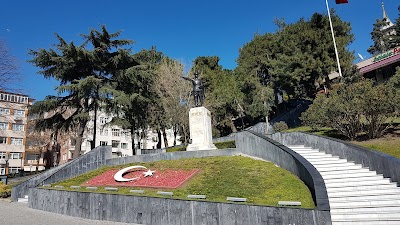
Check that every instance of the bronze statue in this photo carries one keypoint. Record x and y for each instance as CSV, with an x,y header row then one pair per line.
x,y
198,89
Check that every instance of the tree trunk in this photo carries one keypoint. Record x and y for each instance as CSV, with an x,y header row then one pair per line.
x,y
175,133
93,142
144,138
133,140
164,133
78,145
232,125
159,139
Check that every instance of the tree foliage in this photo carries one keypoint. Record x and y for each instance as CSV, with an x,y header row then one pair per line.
x,y
355,108
385,38
84,73
298,57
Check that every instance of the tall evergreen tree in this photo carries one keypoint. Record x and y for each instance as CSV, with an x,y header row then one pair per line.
x,y
84,73
379,37
134,95
299,56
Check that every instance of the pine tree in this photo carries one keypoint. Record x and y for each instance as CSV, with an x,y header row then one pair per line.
x,y
85,73
379,37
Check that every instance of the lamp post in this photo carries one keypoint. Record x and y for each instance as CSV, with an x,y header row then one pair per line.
x,y
333,37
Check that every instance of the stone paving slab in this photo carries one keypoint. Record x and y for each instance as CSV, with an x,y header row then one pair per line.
x,y
19,213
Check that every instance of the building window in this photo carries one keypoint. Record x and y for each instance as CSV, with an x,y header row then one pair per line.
x,y
18,127
124,145
4,111
2,155
115,144
3,140
15,155
2,171
103,143
32,156
116,132
3,126
18,112
14,169
104,131
103,120
64,157
13,98
17,141
126,133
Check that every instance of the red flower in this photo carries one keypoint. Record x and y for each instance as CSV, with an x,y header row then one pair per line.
x,y
160,179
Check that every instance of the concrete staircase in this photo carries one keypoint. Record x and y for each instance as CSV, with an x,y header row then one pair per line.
x,y
356,194
24,199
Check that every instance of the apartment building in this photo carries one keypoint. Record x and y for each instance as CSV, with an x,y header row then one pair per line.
x,y
13,124
119,139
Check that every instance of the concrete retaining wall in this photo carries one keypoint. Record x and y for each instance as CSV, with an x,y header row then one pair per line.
x,y
258,145
162,211
85,163
384,164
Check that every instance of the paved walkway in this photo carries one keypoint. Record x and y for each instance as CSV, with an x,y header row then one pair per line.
x,y
19,214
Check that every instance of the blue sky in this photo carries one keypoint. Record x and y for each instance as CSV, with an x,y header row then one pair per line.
x,y
180,29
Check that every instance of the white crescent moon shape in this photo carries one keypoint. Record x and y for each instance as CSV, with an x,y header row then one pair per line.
x,y
118,176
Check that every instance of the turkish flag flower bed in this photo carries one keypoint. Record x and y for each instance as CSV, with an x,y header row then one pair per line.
x,y
160,179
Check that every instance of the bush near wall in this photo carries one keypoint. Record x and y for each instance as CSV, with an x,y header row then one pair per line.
x,y
219,145
226,144
5,190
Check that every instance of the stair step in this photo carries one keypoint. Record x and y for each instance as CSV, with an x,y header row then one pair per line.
x,y
366,217
307,151
367,198
339,168
357,183
324,156
350,171
324,162
371,192
335,164
362,188
355,178
364,204
380,210
23,200
366,223
296,146
338,176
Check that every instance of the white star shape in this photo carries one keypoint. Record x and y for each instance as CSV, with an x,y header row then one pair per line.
x,y
148,173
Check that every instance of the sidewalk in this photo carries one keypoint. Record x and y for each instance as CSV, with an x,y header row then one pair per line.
x,y
19,214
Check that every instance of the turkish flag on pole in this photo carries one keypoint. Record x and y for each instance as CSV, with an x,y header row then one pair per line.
x,y
341,1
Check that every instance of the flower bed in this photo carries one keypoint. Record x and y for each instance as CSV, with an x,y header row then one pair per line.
x,y
160,179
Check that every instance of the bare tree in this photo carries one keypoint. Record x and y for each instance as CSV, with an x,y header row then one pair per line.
x,y
174,93
9,74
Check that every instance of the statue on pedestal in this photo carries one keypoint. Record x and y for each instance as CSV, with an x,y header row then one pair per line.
x,y
198,89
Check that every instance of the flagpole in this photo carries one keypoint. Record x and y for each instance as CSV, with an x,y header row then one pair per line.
x,y
333,37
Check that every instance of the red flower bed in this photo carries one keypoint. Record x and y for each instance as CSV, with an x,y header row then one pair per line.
x,y
160,179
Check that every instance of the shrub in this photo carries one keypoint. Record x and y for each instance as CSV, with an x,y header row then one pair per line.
x,y
5,190
280,126
354,108
176,149
226,144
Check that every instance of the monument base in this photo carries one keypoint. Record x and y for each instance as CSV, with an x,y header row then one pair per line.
x,y
200,130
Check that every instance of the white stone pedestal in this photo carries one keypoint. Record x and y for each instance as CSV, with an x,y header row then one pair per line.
x,y
200,129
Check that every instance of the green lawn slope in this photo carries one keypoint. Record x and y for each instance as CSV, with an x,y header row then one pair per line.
x,y
262,183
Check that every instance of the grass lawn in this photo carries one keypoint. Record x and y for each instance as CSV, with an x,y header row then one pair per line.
x,y
388,145
262,183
